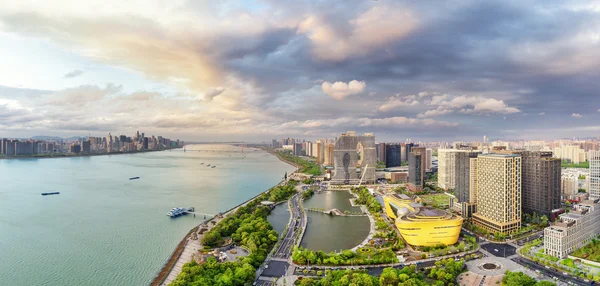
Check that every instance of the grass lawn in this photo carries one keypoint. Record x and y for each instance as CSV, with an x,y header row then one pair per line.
x,y
590,251
436,199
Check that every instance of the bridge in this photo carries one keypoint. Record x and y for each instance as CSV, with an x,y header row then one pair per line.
x,y
333,212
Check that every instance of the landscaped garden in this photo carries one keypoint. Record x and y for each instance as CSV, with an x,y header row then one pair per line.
x,y
590,251
247,227
365,198
304,256
306,167
435,200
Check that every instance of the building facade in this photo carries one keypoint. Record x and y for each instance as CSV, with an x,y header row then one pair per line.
x,y
446,168
573,230
594,177
498,193
381,154
328,158
392,155
541,185
419,225
415,172
345,158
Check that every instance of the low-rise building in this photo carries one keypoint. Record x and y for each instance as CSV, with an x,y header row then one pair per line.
x,y
420,225
573,230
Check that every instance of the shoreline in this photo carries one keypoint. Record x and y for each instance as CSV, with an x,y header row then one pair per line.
x,y
82,155
282,159
164,272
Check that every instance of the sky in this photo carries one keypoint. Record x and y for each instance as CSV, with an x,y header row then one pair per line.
x,y
256,70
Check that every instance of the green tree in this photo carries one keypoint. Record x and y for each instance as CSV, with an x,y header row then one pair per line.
x,y
517,279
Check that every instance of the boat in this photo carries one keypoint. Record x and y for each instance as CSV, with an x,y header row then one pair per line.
x,y
176,212
208,165
52,193
201,163
213,166
134,178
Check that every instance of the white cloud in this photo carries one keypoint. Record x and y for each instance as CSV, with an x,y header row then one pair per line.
x,y
435,112
598,110
403,121
397,101
576,115
473,104
339,90
542,113
372,93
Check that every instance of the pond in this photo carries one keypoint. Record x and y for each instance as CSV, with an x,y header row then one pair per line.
x,y
329,233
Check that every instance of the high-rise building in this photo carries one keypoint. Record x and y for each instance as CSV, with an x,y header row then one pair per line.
x,y
145,143
569,186
381,155
540,182
320,152
428,159
403,154
75,148
328,158
594,177
462,172
408,147
392,155
415,172
297,149
345,158
446,168
570,153
498,193
86,147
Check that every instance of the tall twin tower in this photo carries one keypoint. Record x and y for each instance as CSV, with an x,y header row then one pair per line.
x,y
352,151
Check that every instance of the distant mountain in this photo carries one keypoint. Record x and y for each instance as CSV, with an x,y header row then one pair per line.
x,y
43,137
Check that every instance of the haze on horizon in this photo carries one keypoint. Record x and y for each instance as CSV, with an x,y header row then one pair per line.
x,y
255,70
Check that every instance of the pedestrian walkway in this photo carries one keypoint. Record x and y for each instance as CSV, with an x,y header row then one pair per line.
x,y
190,248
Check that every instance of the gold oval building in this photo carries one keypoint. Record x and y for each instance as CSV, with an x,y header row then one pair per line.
x,y
420,225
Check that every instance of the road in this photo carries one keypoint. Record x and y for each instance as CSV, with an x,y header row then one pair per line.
x,y
285,248
499,249
278,264
550,272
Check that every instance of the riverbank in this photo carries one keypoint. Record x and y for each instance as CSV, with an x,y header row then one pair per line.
x,y
169,272
64,155
282,159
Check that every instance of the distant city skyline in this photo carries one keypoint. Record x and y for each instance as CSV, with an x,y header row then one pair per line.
x,y
239,70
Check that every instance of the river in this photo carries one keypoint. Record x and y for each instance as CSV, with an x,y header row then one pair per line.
x,y
104,229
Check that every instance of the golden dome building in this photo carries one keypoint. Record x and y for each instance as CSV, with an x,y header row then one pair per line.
x,y
420,225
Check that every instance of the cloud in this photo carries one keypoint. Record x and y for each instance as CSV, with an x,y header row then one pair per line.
x,y
73,74
372,93
473,104
435,112
542,113
213,92
576,115
598,110
397,101
339,90
375,28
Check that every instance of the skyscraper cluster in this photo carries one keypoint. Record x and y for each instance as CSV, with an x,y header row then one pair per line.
x,y
93,145
497,187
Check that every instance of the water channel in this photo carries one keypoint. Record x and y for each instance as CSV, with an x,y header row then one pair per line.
x,y
325,232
